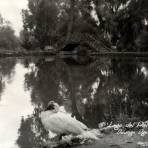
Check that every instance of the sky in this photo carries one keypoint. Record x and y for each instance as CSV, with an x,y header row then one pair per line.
x,y
11,11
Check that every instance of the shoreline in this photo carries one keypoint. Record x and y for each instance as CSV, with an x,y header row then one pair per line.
x,y
48,53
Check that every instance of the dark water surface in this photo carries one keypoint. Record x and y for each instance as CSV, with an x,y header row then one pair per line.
x,y
92,90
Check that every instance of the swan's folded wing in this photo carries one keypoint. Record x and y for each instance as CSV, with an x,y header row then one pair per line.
x,y
65,124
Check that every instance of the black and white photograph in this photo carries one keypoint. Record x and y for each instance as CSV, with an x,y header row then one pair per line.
x,y
73,73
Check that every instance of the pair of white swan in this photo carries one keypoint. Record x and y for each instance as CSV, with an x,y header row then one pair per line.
x,y
60,123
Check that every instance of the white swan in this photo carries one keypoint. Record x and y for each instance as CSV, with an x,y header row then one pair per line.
x,y
62,124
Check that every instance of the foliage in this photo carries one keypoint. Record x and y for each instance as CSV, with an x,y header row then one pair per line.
x,y
40,22
56,22
121,21
117,22
8,40
142,41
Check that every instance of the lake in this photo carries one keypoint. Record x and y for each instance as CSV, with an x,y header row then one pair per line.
x,y
93,90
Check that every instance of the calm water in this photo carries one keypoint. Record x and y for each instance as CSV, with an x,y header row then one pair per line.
x,y
92,90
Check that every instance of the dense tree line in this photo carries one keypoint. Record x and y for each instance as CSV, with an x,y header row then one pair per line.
x,y
99,23
8,40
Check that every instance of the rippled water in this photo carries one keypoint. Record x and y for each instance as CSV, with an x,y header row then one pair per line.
x,y
92,90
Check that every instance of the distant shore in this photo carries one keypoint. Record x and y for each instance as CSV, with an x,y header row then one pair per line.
x,y
9,53
49,53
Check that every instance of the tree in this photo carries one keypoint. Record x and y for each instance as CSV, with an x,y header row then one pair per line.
x,y
8,40
121,21
58,22
142,41
71,20
118,23
41,20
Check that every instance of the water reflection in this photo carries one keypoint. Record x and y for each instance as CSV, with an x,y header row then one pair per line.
x,y
103,89
14,104
6,72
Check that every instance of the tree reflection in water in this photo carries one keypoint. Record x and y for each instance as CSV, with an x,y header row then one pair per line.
x,y
31,132
6,71
107,89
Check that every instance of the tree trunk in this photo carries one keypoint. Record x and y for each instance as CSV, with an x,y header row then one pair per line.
x,y
101,26
71,20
